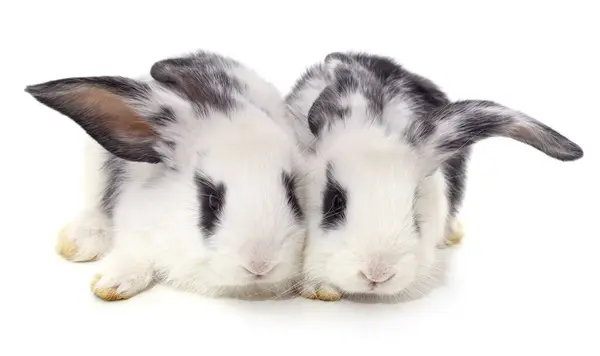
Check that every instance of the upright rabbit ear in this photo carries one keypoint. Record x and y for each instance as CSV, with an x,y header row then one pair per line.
x,y
105,107
460,124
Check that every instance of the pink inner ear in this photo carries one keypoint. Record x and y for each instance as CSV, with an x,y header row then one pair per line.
x,y
112,113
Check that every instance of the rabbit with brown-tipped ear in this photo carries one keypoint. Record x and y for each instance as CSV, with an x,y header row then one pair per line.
x,y
191,179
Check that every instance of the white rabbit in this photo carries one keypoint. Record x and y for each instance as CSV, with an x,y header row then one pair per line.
x,y
191,179
387,169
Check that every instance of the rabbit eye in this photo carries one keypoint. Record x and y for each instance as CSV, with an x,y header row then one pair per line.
x,y
214,203
338,203
334,204
211,198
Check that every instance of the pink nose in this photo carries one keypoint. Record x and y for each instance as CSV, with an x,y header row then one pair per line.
x,y
259,268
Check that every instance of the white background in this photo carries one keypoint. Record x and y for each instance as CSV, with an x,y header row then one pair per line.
x,y
525,280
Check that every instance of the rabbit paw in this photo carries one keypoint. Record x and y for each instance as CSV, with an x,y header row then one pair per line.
x,y
86,238
322,292
121,286
456,234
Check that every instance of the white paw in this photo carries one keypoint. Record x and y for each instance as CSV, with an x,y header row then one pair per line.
x,y
85,238
120,286
322,292
455,235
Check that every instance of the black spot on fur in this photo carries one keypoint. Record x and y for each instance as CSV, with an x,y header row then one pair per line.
x,y
335,201
211,198
292,198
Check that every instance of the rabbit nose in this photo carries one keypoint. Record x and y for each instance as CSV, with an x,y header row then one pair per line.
x,y
259,268
377,275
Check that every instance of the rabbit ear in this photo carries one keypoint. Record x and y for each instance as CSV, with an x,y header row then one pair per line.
x,y
461,124
104,108
202,77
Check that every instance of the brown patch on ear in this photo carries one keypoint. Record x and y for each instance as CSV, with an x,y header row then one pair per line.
x,y
105,108
109,112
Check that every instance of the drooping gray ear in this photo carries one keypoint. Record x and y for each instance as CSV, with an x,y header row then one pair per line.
x,y
105,108
449,129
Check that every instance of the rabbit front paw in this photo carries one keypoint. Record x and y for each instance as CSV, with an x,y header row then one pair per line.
x,y
122,283
85,238
321,292
456,234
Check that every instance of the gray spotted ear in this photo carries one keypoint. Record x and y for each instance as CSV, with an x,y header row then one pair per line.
x,y
458,125
186,75
105,107
203,77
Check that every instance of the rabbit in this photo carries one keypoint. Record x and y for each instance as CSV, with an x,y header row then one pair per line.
x,y
191,179
388,155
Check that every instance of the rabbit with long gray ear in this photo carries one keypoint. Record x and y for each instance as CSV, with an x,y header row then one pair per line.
x,y
387,167
191,179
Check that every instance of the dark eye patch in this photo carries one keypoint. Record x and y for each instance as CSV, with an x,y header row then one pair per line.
x,y
292,199
334,203
211,198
